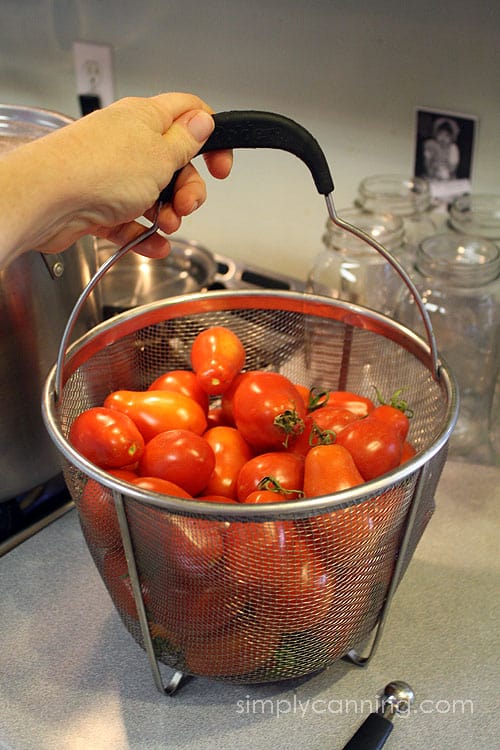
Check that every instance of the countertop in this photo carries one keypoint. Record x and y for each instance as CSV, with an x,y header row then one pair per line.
x,y
72,678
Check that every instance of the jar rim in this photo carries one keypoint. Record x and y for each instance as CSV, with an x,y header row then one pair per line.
x,y
464,258
394,193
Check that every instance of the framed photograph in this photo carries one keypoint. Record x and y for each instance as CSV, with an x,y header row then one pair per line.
x,y
444,151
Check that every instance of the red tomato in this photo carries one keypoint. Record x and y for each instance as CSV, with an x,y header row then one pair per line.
x,y
107,438
329,469
356,533
359,405
171,548
157,411
239,650
163,486
268,410
116,577
96,510
182,381
216,499
281,573
181,457
304,595
254,551
408,451
217,356
193,611
304,392
394,417
286,469
217,418
321,428
266,496
226,402
374,445
231,452
126,474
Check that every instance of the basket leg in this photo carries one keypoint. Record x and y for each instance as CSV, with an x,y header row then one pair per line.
x,y
353,656
178,677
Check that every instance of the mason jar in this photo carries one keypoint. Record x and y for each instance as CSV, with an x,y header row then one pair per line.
x,y
351,270
476,214
458,277
407,197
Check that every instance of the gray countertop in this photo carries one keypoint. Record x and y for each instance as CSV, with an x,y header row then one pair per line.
x,y
72,678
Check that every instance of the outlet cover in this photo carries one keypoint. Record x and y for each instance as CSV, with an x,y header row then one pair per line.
x,y
94,71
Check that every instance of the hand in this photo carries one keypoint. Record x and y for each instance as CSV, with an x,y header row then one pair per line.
x,y
103,171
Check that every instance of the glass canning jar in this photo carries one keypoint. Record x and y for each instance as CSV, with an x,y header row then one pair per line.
x,y
458,277
408,198
476,214
351,270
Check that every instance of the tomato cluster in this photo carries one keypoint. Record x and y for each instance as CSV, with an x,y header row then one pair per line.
x,y
220,433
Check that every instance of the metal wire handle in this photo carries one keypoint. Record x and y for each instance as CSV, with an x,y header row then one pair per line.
x,y
68,330
403,275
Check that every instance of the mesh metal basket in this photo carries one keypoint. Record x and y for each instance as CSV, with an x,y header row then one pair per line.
x,y
209,602
256,593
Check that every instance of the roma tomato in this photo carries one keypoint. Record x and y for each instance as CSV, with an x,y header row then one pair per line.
x,y
157,411
321,428
194,611
180,456
268,410
96,510
408,451
182,381
361,406
374,445
174,548
231,452
328,469
217,356
108,439
286,470
265,496
239,650
226,401
394,417
163,486
255,551
287,581
116,577
303,592
350,536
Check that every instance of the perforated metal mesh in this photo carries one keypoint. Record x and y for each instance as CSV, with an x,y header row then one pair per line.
x,y
265,599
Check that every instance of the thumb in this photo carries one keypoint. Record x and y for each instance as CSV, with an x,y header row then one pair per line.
x,y
186,135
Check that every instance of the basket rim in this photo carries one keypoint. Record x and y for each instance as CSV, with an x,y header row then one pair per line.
x,y
130,321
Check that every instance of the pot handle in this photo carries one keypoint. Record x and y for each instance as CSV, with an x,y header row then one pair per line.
x,y
256,129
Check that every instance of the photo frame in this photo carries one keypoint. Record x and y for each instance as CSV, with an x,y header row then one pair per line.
x,y
444,150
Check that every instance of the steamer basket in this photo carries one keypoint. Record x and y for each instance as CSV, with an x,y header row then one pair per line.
x,y
210,618
187,577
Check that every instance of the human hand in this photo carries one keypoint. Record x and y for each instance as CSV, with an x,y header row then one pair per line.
x,y
103,171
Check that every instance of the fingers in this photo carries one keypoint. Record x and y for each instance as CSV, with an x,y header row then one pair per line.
x,y
219,163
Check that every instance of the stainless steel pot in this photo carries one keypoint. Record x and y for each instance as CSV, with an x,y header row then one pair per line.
x,y
37,294
137,280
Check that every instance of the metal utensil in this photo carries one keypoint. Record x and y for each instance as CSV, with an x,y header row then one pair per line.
x,y
374,731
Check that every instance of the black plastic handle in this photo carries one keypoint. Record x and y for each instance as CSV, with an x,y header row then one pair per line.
x,y
372,734
254,129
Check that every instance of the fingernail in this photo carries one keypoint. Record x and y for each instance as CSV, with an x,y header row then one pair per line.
x,y
193,208
200,126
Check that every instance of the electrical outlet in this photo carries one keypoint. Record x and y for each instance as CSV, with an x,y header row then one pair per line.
x,y
94,71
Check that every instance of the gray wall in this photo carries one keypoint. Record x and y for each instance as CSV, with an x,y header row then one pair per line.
x,y
351,71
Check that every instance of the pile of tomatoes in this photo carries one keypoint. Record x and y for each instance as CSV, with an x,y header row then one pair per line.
x,y
224,595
